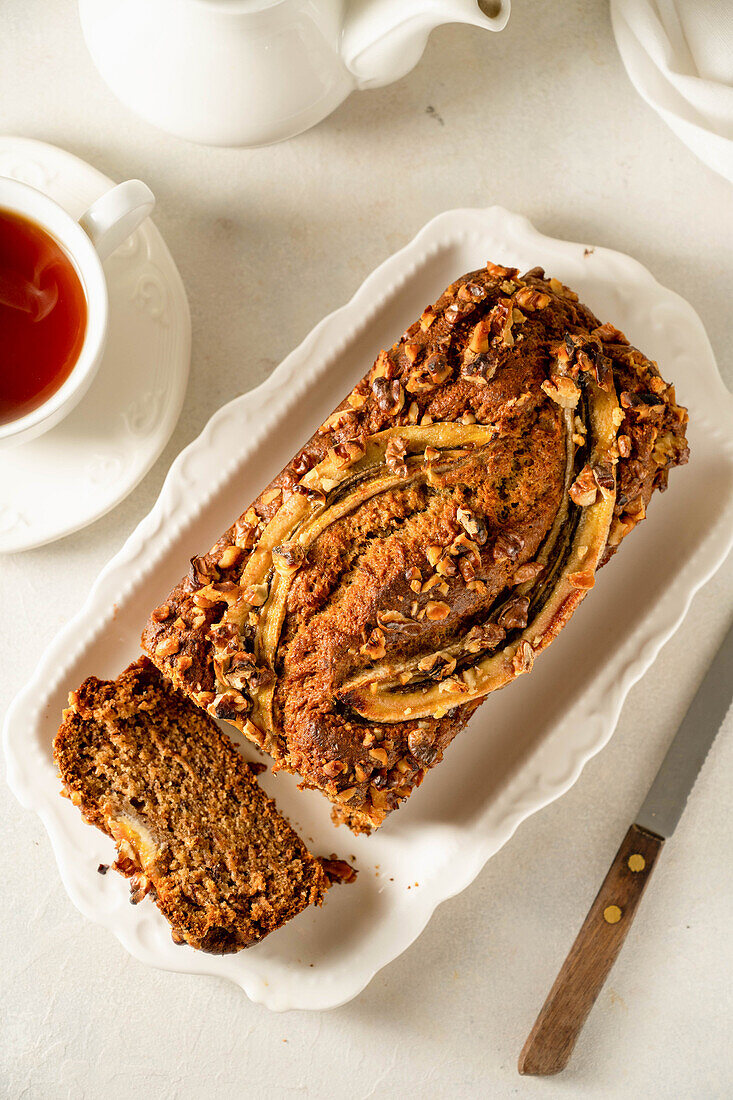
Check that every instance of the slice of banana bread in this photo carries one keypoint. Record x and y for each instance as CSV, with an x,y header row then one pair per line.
x,y
192,826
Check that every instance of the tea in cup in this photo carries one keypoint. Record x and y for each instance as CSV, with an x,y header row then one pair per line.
x,y
54,309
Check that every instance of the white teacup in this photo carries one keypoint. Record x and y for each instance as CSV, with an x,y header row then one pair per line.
x,y
87,243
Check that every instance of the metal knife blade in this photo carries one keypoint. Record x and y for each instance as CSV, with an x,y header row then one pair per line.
x,y
668,794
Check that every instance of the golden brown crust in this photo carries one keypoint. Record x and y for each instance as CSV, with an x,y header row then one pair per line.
x,y
437,485
192,826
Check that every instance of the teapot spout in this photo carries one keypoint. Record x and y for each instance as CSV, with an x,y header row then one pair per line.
x,y
383,40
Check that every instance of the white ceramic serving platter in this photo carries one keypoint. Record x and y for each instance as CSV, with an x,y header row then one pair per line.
x,y
93,459
525,746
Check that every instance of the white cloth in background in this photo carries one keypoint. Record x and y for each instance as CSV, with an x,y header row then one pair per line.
x,y
679,56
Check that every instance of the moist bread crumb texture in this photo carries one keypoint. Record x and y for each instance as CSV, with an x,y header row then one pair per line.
x,y
192,826
427,542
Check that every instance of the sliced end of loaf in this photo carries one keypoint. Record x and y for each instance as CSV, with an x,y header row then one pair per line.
x,y
192,826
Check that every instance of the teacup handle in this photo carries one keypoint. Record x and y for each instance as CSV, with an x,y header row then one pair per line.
x,y
116,215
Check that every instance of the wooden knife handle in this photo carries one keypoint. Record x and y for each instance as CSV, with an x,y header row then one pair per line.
x,y
551,1040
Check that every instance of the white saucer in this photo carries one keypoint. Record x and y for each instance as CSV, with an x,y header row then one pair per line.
x,y
81,469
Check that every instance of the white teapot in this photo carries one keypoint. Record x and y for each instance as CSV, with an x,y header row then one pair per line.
x,y
250,72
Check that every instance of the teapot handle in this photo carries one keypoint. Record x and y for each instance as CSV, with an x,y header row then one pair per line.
x,y
383,40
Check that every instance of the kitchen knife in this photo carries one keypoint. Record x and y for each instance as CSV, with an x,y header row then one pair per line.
x,y
556,1029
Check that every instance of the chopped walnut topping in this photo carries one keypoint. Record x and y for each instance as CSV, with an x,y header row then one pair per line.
x,y
394,456
446,567
205,599
437,665
338,870
528,572
348,452
140,885
390,395
514,613
244,672
356,399
479,338
382,362
288,557
229,705
231,556
485,636
245,534
472,292
422,745
479,369
427,318
462,544
201,571
641,403
300,466
467,567
531,300
507,547
161,613
431,582
333,768
624,446
500,321
436,611
395,620
256,594
473,525
434,552
374,646
584,490
562,390
604,478
254,733
500,272
433,372
635,509
609,334
316,496
380,755
338,419
453,313
591,359
523,659
168,647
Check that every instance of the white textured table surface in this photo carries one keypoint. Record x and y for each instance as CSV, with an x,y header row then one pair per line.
x,y
543,119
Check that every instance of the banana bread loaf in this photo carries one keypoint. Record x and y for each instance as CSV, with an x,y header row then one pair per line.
x,y
427,542
192,825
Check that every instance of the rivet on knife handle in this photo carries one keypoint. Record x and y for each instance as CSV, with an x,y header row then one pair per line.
x,y
551,1040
